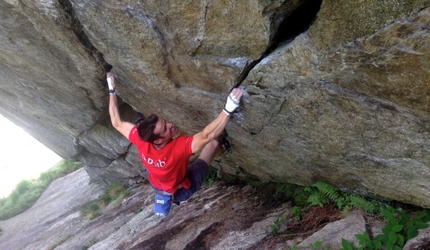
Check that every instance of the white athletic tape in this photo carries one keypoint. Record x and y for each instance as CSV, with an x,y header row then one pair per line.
x,y
109,81
231,103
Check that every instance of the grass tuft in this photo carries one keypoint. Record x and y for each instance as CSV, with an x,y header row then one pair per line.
x,y
61,241
91,210
115,192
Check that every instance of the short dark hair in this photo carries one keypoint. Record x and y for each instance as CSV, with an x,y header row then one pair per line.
x,y
146,128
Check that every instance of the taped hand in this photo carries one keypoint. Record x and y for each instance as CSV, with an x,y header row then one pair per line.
x,y
111,82
233,101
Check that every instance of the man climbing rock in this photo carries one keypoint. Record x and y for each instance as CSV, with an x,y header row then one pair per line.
x,y
166,157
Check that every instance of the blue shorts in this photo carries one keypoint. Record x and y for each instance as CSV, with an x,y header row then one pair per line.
x,y
196,173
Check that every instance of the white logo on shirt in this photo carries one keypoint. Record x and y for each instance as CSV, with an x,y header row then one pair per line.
x,y
158,164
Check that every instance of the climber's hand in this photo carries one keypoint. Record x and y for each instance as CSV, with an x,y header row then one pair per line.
x,y
110,81
233,100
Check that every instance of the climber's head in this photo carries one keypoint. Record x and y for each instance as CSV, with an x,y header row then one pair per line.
x,y
156,130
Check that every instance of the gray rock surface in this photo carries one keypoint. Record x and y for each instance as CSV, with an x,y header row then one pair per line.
x,y
219,216
422,241
332,234
335,92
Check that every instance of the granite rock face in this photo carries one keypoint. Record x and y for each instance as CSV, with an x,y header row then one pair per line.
x,y
336,91
218,216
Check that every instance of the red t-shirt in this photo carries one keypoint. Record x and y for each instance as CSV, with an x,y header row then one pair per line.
x,y
168,166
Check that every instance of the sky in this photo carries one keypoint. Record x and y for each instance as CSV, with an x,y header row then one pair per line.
x,y
22,157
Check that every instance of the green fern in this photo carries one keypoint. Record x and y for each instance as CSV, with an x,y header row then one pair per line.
x,y
342,202
345,211
317,198
327,190
326,193
358,201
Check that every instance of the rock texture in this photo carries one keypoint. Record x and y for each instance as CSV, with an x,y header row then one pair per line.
x,y
219,216
331,235
422,241
335,91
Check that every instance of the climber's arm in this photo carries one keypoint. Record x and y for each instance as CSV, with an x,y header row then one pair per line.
x,y
216,127
122,126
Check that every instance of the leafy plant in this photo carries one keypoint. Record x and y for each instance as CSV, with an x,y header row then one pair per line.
x,y
347,245
345,211
318,245
277,224
295,211
327,190
274,228
291,192
284,191
418,222
399,228
316,198
212,176
395,234
358,201
322,193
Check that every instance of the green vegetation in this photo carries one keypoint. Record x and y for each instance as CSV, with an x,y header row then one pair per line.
x,y
113,193
400,227
138,211
211,177
61,241
91,210
322,193
27,192
295,211
278,223
402,220
318,246
92,242
290,192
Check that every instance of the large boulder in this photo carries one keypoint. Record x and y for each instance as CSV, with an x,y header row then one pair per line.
x,y
355,118
335,92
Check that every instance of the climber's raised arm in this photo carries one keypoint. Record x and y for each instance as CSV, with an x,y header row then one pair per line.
x,y
122,126
217,126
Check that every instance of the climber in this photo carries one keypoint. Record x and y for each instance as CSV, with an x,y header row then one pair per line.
x,y
166,157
